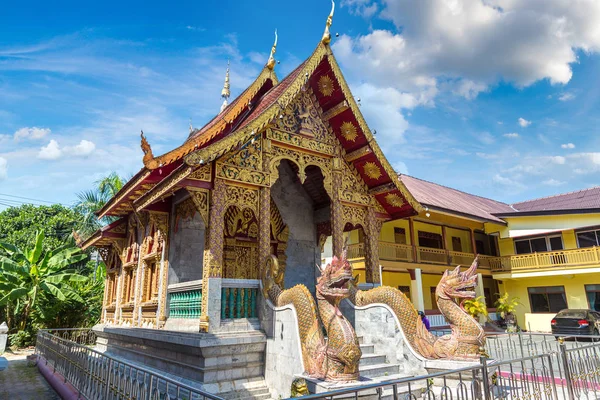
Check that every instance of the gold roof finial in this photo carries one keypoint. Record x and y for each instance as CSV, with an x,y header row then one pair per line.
x,y
326,35
225,93
271,62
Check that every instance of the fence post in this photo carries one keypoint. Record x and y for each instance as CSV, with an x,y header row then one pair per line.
x,y
566,369
484,372
519,335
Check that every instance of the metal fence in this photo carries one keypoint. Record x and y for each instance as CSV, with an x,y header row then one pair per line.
x,y
98,376
519,366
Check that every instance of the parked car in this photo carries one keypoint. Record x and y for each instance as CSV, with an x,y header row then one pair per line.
x,y
576,322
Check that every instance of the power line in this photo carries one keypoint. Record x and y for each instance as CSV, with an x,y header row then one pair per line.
x,y
29,198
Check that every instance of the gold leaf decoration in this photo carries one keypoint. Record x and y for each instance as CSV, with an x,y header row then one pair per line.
x,y
394,200
372,170
325,85
349,131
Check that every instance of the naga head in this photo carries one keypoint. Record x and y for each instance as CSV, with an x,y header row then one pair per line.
x,y
335,279
458,285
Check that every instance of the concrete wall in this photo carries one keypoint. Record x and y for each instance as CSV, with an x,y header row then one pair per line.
x,y
296,208
186,246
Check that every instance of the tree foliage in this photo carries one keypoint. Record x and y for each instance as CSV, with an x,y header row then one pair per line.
x,y
91,201
28,278
19,225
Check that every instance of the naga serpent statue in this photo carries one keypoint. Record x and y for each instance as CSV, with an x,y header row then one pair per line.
x,y
336,357
455,287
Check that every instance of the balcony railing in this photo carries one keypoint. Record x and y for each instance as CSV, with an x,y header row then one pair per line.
x,y
238,298
563,258
417,254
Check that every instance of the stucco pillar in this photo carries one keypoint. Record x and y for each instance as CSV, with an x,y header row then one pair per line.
x,y
372,231
480,292
337,225
416,289
213,261
264,227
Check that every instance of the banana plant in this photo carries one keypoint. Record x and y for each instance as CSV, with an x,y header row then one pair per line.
x,y
26,275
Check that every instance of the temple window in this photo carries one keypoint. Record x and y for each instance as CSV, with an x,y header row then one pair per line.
x,y
129,285
151,287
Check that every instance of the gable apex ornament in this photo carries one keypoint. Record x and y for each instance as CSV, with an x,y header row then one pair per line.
x,y
271,61
146,148
327,35
225,93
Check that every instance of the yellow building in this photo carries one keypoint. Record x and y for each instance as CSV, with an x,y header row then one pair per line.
x,y
543,251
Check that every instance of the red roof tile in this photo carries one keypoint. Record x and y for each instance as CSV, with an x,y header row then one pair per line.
x,y
437,196
581,199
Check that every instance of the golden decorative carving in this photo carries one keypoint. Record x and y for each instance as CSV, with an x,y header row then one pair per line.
x,y
356,154
202,174
336,110
302,160
303,115
300,141
184,210
349,131
243,175
248,157
354,215
372,170
386,187
394,200
200,200
241,260
163,188
325,85
242,197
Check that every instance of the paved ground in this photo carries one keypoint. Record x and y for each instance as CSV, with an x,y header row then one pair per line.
x,y
22,382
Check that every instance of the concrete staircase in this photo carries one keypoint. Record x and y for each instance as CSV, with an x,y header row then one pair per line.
x,y
257,391
376,367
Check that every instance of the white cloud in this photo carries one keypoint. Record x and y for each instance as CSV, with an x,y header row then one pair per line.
x,y
558,159
50,152
84,148
487,156
523,122
471,43
553,182
566,96
33,133
511,135
53,150
400,167
3,168
567,146
486,138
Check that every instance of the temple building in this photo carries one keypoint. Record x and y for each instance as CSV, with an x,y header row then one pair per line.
x,y
284,168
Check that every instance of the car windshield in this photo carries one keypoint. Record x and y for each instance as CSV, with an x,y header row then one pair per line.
x,y
580,314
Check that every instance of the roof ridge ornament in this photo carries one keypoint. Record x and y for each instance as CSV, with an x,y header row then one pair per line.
x,y
225,93
146,149
271,61
327,35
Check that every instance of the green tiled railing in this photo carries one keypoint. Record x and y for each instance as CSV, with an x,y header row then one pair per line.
x,y
238,303
185,304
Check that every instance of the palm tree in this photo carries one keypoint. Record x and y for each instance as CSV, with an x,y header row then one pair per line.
x,y
26,276
90,201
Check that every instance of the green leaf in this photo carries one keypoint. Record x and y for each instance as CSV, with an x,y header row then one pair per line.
x,y
13,295
8,265
37,250
55,291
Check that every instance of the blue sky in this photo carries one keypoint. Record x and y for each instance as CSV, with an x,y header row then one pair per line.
x,y
499,98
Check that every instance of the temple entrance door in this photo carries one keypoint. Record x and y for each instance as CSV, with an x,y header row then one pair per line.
x,y
302,206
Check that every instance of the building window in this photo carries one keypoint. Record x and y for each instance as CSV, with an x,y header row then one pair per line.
x,y
588,238
405,290
456,244
431,240
592,293
151,289
537,245
547,299
399,236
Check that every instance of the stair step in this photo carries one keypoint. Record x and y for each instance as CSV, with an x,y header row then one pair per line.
x,y
367,348
259,393
379,370
371,359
